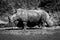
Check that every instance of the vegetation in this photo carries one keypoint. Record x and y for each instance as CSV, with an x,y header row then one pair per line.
x,y
7,6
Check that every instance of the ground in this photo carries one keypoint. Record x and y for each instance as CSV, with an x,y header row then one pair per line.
x,y
30,31
39,34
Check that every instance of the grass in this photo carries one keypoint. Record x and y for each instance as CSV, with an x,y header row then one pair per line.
x,y
30,31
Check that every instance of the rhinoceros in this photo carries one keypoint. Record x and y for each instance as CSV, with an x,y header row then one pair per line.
x,y
32,16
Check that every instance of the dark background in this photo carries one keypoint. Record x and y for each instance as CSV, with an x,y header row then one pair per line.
x,y
50,5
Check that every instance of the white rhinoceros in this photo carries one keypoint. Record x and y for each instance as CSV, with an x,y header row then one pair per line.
x,y
26,15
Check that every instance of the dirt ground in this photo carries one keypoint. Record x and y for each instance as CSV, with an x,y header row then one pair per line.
x,y
38,34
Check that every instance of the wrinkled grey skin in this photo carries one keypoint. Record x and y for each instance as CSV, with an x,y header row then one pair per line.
x,y
31,15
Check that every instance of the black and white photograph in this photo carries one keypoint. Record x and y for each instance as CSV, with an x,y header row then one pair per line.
x,y
29,19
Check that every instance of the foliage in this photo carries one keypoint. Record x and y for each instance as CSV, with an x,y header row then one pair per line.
x,y
50,5
8,5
